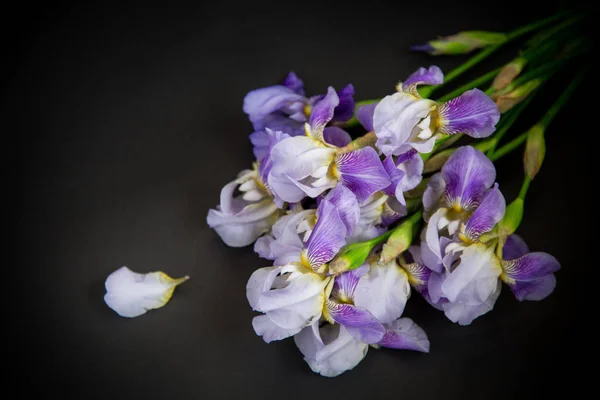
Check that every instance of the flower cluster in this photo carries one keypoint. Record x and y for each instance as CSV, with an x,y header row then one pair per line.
x,y
313,192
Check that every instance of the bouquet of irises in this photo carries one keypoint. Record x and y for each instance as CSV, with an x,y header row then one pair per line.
x,y
352,226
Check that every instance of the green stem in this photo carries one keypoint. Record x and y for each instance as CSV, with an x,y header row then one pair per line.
x,y
508,122
508,147
416,217
470,85
558,104
524,188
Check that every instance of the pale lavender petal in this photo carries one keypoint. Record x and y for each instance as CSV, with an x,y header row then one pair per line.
x,y
534,290
328,236
530,266
464,313
260,281
425,76
404,334
336,136
266,163
514,247
364,115
468,174
260,144
434,287
346,205
322,112
436,186
262,247
431,252
294,83
345,109
395,175
488,214
263,326
358,321
412,166
362,172
472,113
259,103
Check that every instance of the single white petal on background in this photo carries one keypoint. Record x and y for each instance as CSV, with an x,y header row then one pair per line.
x,y
131,294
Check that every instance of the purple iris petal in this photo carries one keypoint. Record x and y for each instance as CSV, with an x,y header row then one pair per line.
x,y
393,211
344,285
322,112
364,115
362,172
267,163
294,83
412,165
530,266
406,335
488,214
534,290
472,113
346,204
514,247
395,175
419,276
336,136
259,103
327,237
468,174
433,193
358,321
345,110
425,76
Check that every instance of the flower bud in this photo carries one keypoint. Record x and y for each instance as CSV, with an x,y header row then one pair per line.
x,y
508,100
535,150
508,73
461,43
350,257
512,218
398,242
437,161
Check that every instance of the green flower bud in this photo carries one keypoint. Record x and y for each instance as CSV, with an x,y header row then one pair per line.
x,y
461,43
512,218
508,73
351,257
398,242
511,98
535,150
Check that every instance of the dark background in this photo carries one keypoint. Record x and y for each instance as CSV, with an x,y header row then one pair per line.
x,y
129,122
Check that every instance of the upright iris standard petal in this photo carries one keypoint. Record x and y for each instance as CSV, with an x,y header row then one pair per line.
x,y
335,136
131,294
362,172
404,334
345,109
300,166
328,236
472,113
346,205
531,277
322,113
423,76
383,291
293,82
395,118
260,103
267,163
468,174
364,115
330,350
488,214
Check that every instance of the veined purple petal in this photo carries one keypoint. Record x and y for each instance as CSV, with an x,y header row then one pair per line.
x,y
488,214
364,115
336,136
530,266
534,290
346,204
424,76
322,112
360,323
404,334
267,163
514,247
362,172
294,83
393,211
395,175
260,103
328,236
418,273
345,109
472,113
468,174
344,285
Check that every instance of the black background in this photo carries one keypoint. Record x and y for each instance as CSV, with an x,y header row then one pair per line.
x,y
129,122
